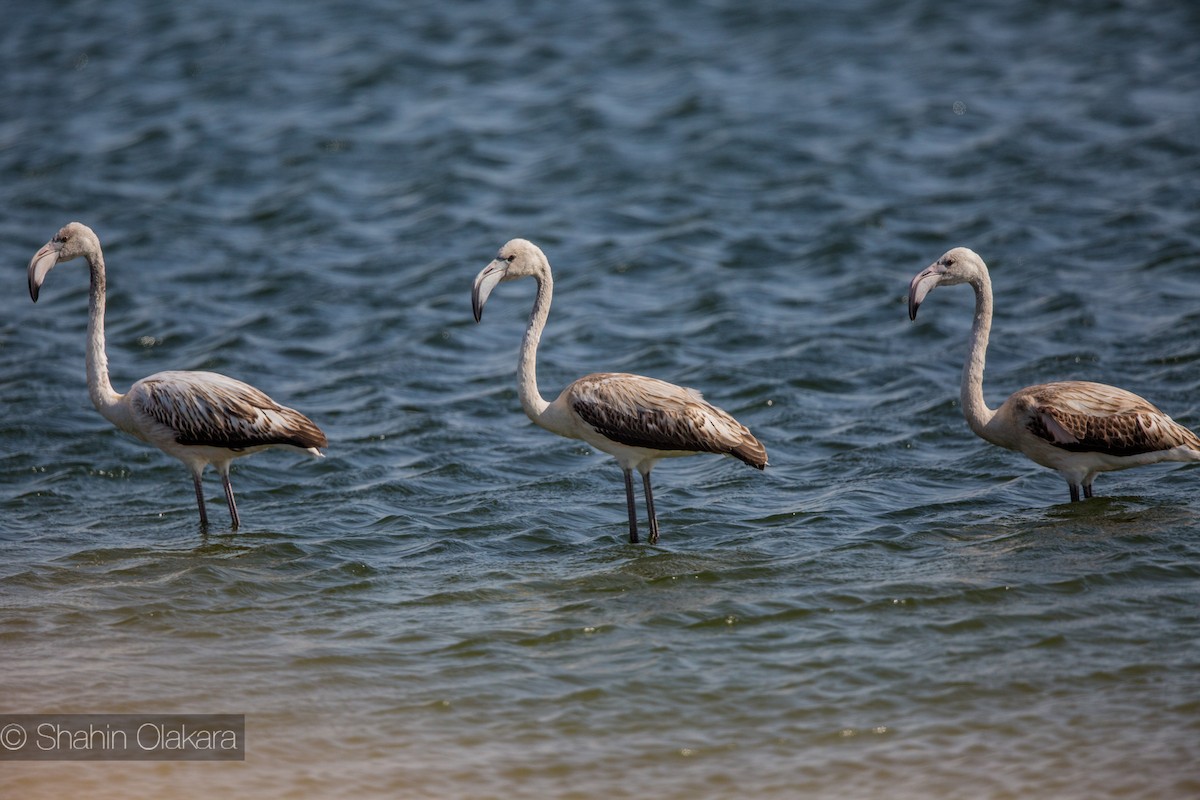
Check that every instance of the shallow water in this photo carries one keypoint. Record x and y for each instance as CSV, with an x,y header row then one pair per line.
x,y
734,199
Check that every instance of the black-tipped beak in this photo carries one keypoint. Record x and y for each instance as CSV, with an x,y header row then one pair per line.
x,y
922,285
41,264
485,281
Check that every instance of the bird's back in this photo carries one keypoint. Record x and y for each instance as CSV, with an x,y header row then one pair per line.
x,y
206,408
637,411
1081,416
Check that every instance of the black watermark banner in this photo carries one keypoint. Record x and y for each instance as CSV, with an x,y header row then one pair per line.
x,y
122,737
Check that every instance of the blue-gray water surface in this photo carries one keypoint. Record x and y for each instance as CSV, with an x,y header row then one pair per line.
x,y
734,197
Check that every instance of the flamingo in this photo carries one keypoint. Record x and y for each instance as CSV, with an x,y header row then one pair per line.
x,y
1078,428
635,419
201,418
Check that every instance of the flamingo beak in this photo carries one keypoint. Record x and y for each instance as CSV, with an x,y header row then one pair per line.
x,y
922,285
41,264
485,281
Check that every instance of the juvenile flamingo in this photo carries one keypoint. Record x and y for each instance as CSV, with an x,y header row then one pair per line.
x,y
1078,428
635,419
201,418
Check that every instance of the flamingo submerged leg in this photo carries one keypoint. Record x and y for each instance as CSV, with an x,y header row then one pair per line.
x,y
650,507
233,512
629,501
200,497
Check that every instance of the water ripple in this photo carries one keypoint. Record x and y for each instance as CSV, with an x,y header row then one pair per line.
x,y
734,198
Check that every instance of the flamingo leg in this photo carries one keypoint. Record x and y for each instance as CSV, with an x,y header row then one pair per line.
x,y
650,507
633,531
1074,492
200,499
1087,490
233,515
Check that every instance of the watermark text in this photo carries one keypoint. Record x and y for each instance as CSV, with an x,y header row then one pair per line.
x,y
122,737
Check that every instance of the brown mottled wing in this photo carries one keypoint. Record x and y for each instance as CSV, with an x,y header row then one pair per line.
x,y
644,412
1091,417
204,408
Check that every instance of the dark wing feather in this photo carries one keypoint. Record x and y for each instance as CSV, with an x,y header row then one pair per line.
x,y
644,412
204,408
1089,417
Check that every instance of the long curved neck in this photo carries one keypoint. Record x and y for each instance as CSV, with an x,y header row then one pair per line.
x,y
531,399
100,389
974,407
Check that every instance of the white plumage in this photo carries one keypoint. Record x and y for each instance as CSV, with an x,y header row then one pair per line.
x,y
1078,428
635,419
201,418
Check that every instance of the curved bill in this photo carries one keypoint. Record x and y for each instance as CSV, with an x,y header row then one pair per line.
x,y
41,264
922,285
485,281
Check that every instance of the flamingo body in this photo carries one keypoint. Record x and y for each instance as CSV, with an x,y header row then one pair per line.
x,y
638,420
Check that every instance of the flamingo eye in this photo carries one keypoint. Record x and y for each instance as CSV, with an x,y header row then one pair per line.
x,y
510,258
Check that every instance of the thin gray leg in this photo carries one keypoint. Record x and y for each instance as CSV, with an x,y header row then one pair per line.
x,y
633,534
1087,490
200,499
650,508
233,515
1074,492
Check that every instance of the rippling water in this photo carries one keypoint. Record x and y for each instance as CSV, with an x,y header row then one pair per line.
x,y
734,196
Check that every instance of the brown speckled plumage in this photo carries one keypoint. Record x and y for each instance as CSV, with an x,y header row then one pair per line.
x,y
646,412
205,408
1080,416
